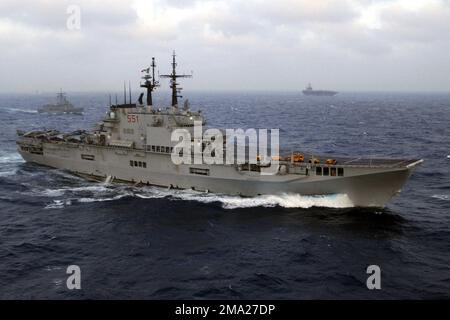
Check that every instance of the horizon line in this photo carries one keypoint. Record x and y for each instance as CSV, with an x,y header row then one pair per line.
x,y
106,91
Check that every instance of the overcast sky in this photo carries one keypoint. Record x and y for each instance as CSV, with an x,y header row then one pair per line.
x,y
349,45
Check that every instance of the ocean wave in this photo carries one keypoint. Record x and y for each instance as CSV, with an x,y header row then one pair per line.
x,y
444,197
59,192
58,204
11,158
285,200
8,173
88,200
21,110
101,192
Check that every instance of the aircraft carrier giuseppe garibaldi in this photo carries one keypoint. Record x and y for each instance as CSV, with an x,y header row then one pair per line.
x,y
133,144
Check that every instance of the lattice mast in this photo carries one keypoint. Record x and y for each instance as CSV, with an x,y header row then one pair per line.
x,y
173,81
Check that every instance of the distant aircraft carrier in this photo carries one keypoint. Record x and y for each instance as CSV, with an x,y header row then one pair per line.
x,y
309,91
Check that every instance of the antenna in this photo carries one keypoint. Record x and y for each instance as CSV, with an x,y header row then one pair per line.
x,y
110,100
173,81
129,90
155,83
124,93
116,99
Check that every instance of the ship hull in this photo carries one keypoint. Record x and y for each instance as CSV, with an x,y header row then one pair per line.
x,y
77,111
365,187
319,93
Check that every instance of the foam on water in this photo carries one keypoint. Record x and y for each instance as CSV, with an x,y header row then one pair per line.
x,y
58,204
96,189
444,197
20,110
88,200
11,158
102,193
8,173
234,202
92,188
5,159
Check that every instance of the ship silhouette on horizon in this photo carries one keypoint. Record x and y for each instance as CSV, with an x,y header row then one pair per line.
x,y
309,91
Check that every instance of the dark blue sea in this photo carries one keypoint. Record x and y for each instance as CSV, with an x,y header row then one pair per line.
x,y
155,243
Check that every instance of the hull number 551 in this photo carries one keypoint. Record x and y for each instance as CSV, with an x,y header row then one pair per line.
x,y
132,118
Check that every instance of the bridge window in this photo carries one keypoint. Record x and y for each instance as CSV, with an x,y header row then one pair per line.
x,y
141,164
340,172
88,157
326,171
318,171
333,172
158,148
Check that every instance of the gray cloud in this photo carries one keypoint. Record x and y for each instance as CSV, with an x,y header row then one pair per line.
x,y
345,44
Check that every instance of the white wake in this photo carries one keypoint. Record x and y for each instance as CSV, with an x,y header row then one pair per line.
x,y
21,110
101,192
11,158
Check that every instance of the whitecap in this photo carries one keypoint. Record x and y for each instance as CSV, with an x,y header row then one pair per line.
x,y
101,189
8,173
286,200
50,192
11,158
58,204
21,110
92,188
441,197
88,200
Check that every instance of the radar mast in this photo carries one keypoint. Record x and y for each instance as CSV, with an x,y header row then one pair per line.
x,y
61,97
150,85
173,81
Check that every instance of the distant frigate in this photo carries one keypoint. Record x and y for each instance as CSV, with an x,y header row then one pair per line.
x,y
62,106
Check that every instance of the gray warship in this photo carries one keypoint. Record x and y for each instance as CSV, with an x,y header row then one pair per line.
x,y
133,145
309,91
62,106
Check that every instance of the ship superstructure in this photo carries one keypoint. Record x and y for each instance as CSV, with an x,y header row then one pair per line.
x,y
133,144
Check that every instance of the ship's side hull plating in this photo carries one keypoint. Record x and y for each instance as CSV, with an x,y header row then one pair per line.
x,y
365,186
